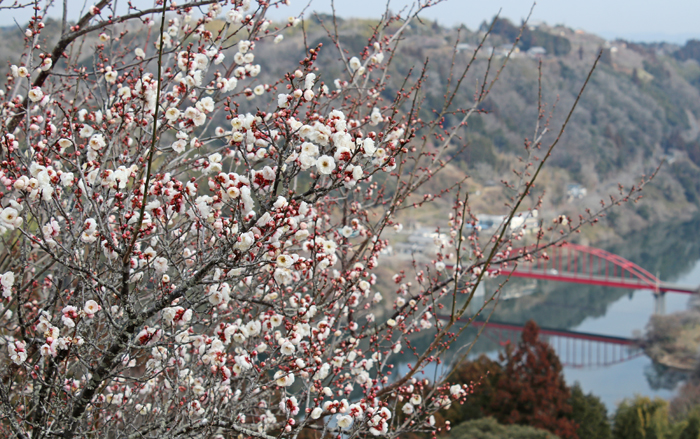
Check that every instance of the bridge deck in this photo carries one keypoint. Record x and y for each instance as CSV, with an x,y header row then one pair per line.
x,y
592,279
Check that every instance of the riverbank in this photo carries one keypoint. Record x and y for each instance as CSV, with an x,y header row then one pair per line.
x,y
674,339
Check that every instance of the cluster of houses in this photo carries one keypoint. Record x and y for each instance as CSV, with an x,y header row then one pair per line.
x,y
575,191
503,50
426,240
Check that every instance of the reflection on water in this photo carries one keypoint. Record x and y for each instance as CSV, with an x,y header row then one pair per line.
x,y
672,252
639,375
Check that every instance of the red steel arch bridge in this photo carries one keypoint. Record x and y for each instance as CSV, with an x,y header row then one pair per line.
x,y
580,264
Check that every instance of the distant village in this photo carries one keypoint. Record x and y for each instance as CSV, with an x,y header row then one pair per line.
x,y
422,240
418,239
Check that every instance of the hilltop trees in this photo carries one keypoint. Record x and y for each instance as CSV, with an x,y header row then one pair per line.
x,y
488,428
481,377
691,50
191,251
527,387
531,389
641,418
589,414
528,38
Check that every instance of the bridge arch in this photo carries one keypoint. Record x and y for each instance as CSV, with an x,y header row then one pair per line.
x,y
581,264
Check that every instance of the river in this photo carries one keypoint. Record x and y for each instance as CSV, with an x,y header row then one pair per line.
x,y
672,251
623,318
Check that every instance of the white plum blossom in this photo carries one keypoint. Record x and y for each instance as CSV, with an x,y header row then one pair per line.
x,y
287,348
206,104
309,81
285,261
344,421
369,147
244,362
355,63
111,76
86,131
172,114
179,146
289,405
284,379
35,94
325,164
97,142
282,100
316,413
19,72
245,241
7,280
9,218
17,351
160,264
376,117
283,276
91,308
89,233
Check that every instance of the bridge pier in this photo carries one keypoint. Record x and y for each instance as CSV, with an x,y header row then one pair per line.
x,y
659,303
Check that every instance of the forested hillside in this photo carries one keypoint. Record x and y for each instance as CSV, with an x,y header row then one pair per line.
x,y
639,111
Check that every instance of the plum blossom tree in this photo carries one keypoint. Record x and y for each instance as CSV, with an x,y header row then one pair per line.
x,y
188,251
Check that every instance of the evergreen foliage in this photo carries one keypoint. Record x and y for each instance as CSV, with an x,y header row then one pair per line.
x,y
489,428
553,44
692,429
482,375
642,418
526,388
590,415
531,390
691,50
